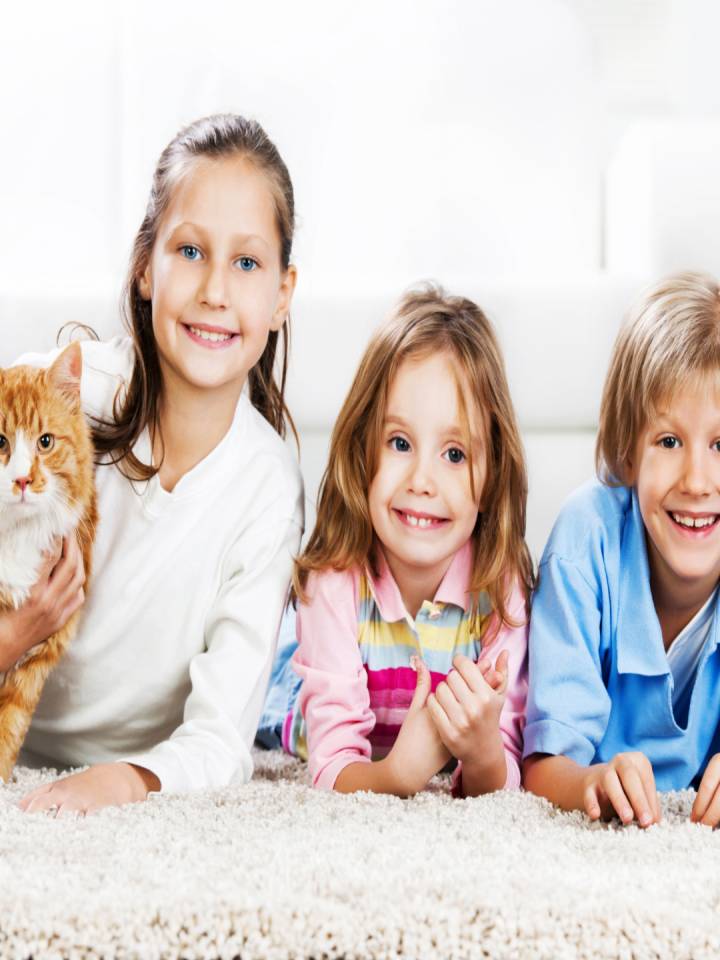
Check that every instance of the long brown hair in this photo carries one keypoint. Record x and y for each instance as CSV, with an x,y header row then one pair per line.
x,y
427,321
217,137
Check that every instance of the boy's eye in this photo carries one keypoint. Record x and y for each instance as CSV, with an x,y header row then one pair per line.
x,y
400,444
190,252
246,263
669,443
454,455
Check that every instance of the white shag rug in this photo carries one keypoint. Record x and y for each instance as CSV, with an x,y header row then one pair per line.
x,y
275,869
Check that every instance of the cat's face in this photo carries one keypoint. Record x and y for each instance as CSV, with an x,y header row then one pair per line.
x,y
44,443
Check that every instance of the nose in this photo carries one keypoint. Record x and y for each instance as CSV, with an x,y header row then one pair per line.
x,y
697,480
214,292
22,482
420,479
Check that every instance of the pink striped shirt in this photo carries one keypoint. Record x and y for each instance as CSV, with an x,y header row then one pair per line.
x,y
355,643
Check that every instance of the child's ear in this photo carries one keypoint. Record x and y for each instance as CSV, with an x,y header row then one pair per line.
x,y
285,295
144,284
66,371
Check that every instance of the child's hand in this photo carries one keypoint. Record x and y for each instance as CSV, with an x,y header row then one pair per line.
x,y
107,784
706,809
418,752
466,707
626,786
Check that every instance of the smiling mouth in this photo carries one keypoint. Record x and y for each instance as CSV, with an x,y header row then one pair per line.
x,y
209,335
690,522
420,521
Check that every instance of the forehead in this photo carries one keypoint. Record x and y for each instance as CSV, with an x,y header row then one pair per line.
x,y
698,397
433,390
226,195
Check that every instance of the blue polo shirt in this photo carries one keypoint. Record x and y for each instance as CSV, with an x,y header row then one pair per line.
x,y
600,683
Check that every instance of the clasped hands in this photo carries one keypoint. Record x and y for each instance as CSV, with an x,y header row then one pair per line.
x,y
460,719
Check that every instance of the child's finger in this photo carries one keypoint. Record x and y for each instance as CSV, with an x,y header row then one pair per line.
x,y
501,668
634,789
439,718
453,710
28,799
459,687
422,685
616,796
648,778
470,673
706,792
711,815
591,802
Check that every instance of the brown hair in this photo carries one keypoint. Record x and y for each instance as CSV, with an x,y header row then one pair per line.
x,y
670,338
425,321
216,137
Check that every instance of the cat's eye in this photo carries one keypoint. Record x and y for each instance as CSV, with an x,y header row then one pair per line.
x,y
3,442
46,442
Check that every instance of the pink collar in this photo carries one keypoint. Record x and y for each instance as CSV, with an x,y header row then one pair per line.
x,y
453,587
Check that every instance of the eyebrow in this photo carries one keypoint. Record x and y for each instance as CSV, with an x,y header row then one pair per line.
x,y
453,429
237,238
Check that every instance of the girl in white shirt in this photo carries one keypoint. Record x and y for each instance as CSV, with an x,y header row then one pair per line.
x,y
200,499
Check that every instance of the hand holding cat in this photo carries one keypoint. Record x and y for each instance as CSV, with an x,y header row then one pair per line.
x,y
57,594
107,784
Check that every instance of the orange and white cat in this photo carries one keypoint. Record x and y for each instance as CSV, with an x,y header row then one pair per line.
x,y
46,492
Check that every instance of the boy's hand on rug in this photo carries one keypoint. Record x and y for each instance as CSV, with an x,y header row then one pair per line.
x,y
625,786
466,706
54,598
104,785
706,809
418,752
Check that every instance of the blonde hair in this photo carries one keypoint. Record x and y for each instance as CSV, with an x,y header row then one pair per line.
x,y
426,321
671,338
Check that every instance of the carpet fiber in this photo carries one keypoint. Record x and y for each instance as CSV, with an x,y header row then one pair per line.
x,y
274,869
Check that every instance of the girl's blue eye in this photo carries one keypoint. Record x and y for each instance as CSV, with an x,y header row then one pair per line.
x,y
400,444
189,251
455,455
247,263
669,443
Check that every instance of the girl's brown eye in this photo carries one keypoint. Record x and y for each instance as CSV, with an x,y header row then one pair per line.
x,y
46,442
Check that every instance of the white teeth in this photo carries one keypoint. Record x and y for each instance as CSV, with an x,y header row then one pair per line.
x,y
693,522
210,335
418,521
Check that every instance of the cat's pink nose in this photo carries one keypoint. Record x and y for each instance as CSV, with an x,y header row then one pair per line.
x,y
22,482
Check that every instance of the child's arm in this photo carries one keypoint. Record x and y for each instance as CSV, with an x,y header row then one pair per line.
x,y
335,702
226,681
569,705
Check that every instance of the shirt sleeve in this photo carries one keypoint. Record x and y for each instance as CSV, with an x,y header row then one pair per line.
x,y
568,703
513,639
334,697
228,679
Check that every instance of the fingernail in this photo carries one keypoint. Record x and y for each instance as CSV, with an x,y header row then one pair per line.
x,y
414,662
645,820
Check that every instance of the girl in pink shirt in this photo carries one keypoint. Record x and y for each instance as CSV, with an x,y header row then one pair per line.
x,y
413,587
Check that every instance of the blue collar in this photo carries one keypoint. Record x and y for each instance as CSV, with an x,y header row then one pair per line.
x,y
640,647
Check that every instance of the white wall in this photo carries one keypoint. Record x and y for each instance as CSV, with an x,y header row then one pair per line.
x,y
497,147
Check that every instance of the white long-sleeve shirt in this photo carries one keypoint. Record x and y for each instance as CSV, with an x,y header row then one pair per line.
x,y
169,667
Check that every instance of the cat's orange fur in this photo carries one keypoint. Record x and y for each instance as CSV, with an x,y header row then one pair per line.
x,y
37,402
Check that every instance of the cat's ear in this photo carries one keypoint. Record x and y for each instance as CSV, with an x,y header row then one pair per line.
x,y
65,373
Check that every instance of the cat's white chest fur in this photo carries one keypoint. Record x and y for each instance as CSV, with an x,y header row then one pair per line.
x,y
22,545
